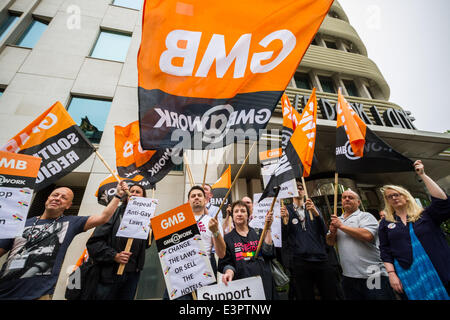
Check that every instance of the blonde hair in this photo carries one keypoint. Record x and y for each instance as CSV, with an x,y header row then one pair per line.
x,y
413,209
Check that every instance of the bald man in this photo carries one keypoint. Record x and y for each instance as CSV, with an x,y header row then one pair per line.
x,y
356,235
35,258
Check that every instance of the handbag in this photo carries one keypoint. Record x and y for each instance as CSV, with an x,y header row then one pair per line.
x,y
82,282
280,277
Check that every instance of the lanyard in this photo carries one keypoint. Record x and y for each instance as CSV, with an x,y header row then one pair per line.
x,y
30,236
200,219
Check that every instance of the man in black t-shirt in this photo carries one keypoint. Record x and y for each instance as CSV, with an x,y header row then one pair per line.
x,y
35,258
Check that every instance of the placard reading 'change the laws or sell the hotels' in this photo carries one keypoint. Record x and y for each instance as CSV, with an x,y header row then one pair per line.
x,y
184,260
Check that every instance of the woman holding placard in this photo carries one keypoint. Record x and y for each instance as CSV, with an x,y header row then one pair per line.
x,y
241,244
107,250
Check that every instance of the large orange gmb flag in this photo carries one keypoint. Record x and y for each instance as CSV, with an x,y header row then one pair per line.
x,y
217,69
55,137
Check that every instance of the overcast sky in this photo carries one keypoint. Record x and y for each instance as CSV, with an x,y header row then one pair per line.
x,y
409,40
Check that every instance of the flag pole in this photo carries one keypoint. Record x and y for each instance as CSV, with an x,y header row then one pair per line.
x,y
188,169
235,179
307,197
264,231
150,231
110,169
206,168
130,240
335,193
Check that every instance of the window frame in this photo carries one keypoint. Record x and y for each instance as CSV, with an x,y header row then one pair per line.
x,y
103,30
24,33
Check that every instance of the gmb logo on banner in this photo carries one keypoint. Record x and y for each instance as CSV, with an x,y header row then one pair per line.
x,y
216,51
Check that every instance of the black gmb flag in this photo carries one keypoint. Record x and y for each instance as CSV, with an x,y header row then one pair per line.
x,y
107,188
210,73
55,137
373,155
219,191
132,160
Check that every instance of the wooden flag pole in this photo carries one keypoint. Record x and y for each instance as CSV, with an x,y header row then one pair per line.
x,y
188,169
307,197
263,233
127,249
335,193
130,240
110,169
150,231
206,168
235,179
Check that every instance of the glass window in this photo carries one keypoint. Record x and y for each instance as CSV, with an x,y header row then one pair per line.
x,y
331,44
111,46
7,25
302,81
370,92
31,36
90,115
1,92
134,4
327,84
351,88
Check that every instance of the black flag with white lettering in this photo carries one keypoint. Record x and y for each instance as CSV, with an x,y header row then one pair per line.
x,y
378,156
55,137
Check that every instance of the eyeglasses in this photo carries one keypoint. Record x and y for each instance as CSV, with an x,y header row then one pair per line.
x,y
393,196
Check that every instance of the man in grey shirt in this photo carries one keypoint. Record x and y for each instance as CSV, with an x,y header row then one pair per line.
x,y
356,235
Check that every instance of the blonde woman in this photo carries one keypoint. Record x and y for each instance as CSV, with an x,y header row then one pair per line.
x,y
412,245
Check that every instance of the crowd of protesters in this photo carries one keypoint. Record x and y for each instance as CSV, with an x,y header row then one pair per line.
x,y
353,256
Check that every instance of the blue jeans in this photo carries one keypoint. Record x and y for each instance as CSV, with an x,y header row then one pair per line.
x,y
356,289
123,288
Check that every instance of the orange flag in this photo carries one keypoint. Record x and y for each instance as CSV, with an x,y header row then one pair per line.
x,y
354,127
212,68
304,137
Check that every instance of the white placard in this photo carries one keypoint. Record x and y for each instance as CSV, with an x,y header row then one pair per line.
x,y
136,219
14,205
186,267
288,189
243,289
259,217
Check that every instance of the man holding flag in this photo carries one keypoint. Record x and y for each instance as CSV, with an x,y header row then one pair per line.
x,y
305,232
35,258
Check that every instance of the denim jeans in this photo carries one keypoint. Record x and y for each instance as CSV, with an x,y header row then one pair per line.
x,y
357,289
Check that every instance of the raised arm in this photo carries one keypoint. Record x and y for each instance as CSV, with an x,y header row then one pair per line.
x,y
99,219
433,188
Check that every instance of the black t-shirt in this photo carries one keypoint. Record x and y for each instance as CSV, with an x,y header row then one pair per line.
x,y
239,255
32,267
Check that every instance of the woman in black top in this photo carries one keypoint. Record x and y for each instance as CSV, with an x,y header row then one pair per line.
x,y
106,250
412,245
239,261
